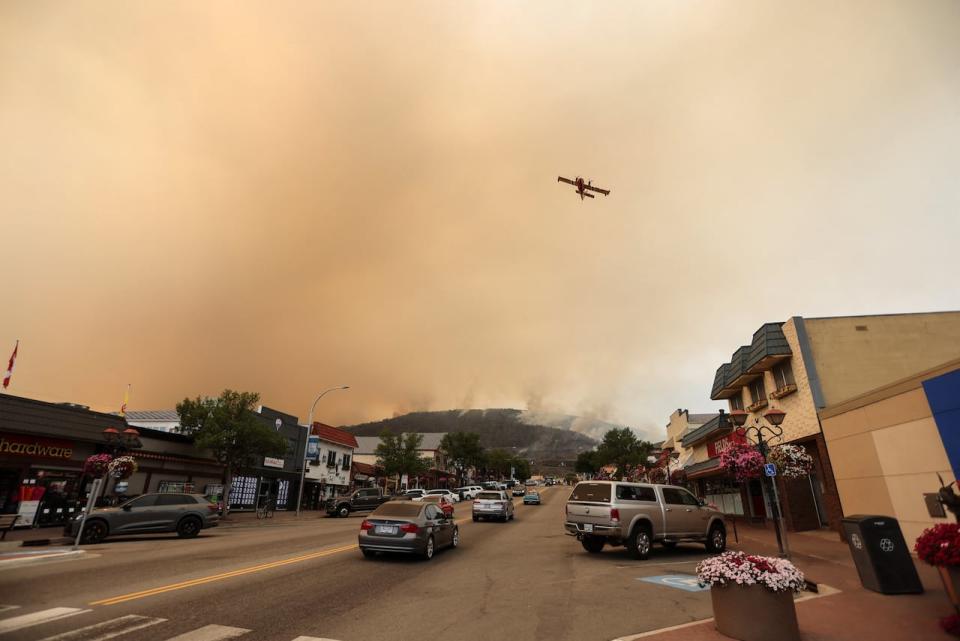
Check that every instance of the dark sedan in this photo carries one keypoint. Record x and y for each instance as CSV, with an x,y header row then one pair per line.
x,y
185,514
407,527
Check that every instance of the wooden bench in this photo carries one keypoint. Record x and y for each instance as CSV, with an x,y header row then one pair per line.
x,y
6,523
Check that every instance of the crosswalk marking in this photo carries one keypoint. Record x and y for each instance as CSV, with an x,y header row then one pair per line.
x,y
36,618
210,633
107,629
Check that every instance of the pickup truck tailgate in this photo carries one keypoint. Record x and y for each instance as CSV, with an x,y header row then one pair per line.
x,y
596,513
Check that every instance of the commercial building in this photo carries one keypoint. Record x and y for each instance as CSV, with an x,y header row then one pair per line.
x,y
436,474
43,447
160,420
804,365
329,464
681,423
891,445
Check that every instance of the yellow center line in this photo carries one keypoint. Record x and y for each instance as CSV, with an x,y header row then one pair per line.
x,y
219,577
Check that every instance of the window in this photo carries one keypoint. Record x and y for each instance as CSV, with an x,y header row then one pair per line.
x,y
346,461
175,499
757,391
674,496
398,508
783,374
144,501
332,459
369,493
635,493
736,401
432,512
599,492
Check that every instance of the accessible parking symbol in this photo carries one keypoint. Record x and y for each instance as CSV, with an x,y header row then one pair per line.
x,y
678,581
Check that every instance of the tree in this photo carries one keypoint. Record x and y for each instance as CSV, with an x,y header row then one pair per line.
x,y
400,454
621,447
228,428
463,449
587,462
498,462
521,468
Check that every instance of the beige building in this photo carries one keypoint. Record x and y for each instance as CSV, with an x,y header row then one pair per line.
x,y
887,449
804,365
681,422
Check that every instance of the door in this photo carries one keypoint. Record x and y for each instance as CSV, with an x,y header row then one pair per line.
x,y
680,508
442,527
171,507
757,502
136,515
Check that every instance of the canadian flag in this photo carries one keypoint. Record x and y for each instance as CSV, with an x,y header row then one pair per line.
x,y
13,359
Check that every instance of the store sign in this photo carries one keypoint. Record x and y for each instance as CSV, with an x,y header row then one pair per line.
x,y
272,462
721,445
35,446
313,448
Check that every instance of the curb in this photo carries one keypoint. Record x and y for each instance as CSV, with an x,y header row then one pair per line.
x,y
26,559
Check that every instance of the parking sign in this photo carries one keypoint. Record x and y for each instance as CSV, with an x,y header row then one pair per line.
x,y
770,469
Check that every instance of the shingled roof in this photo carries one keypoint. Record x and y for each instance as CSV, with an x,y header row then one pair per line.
x,y
334,435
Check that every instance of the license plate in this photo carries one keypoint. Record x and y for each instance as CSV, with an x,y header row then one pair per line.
x,y
588,527
385,529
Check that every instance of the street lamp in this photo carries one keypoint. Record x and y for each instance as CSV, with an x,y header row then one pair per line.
x,y
303,463
117,441
775,419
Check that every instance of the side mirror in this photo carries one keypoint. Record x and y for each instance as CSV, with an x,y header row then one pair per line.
x,y
126,507
702,502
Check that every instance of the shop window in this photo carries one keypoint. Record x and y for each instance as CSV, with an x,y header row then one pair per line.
x,y
332,459
346,462
724,494
757,391
243,492
736,401
783,374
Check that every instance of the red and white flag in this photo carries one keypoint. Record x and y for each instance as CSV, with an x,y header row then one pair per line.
x,y
13,359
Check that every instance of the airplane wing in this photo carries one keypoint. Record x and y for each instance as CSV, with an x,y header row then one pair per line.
x,y
561,179
597,189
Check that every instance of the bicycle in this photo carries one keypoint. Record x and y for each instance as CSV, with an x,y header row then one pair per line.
x,y
265,511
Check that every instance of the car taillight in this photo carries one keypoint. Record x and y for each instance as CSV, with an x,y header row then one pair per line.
x,y
410,528
614,515
213,508
366,525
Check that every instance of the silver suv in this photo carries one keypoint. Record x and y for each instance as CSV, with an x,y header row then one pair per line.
x,y
635,515
185,514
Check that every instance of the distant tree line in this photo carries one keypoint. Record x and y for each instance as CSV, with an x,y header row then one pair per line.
x,y
620,449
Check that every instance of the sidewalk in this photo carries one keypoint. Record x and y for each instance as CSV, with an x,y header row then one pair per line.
x,y
853,614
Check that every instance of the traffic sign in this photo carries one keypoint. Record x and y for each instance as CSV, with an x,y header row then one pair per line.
x,y
770,469
679,581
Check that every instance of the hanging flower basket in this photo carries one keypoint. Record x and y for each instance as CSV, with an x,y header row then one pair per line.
x,y
96,465
940,546
793,461
678,477
122,467
753,595
742,461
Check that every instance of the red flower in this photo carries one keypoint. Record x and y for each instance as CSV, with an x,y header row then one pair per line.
x,y
940,544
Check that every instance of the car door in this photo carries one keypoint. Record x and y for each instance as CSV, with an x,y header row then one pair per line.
x,y
439,525
699,514
680,516
170,509
137,515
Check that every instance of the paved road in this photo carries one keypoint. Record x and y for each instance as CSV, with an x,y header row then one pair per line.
x,y
274,581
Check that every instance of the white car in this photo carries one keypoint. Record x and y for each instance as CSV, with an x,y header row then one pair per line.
x,y
469,491
450,496
416,494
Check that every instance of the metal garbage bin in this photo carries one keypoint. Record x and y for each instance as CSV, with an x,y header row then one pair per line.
x,y
882,557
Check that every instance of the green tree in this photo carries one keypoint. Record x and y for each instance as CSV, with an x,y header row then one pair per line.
x,y
228,428
463,450
498,462
587,462
521,468
621,447
399,454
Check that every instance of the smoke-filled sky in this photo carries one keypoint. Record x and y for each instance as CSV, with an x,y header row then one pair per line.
x,y
285,196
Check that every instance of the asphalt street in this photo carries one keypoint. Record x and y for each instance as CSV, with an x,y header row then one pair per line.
x,y
280,581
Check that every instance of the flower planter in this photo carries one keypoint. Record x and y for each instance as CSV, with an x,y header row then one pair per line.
x,y
950,575
754,613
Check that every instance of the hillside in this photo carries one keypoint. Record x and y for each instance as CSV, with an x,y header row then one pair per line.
x,y
505,428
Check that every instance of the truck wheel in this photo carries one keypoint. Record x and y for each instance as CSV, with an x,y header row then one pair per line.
x,y
639,542
343,511
592,544
716,539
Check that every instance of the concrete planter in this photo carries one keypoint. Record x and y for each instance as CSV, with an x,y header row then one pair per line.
x,y
950,575
754,613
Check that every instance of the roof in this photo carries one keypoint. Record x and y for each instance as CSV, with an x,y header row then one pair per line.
x,y
334,435
718,425
368,444
153,415
364,468
700,419
710,465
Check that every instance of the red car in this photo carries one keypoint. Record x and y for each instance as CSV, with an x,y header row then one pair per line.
x,y
440,500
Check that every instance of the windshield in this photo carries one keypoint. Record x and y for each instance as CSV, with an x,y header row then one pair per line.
x,y
599,492
489,496
400,508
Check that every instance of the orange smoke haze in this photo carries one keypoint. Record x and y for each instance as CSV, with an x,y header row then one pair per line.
x,y
288,196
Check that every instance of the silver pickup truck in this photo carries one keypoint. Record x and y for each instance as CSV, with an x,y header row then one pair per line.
x,y
635,515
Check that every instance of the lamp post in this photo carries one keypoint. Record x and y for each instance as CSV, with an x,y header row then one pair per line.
x,y
303,463
775,419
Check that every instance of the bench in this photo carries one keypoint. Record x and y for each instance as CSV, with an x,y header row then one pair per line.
x,y
6,523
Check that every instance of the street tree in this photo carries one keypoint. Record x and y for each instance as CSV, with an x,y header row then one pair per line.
x,y
521,468
498,462
587,462
399,454
227,427
463,450
621,447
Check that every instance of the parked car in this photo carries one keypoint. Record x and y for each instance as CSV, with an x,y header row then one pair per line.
x,y
365,500
439,499
519,490
493,505
531,497
450,494
415,494
469,491
635,515
491,485
530,483
185,514
407,527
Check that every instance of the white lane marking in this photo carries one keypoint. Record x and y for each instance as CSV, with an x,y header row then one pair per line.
x,y
36,618
107,629
313,639
210,633
4,608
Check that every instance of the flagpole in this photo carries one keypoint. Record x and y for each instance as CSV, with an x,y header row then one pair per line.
x,y
13,360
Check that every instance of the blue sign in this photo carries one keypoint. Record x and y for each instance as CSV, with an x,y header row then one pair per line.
x,y
313,448
770,469
679,581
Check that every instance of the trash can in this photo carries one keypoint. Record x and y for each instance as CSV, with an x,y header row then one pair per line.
x,y
882,557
